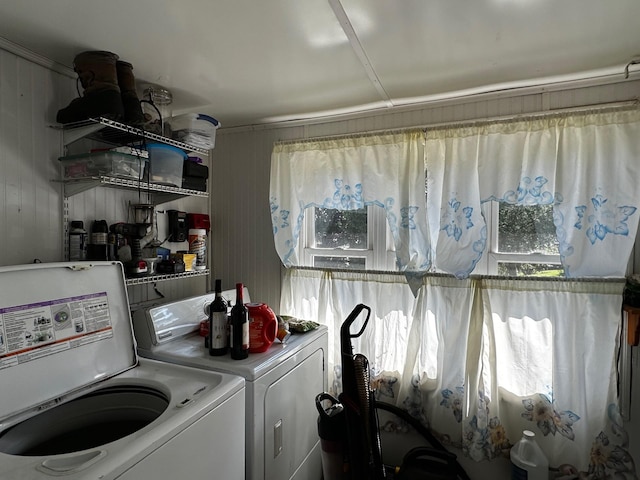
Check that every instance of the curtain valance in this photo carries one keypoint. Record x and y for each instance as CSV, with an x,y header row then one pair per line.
x,y
385,171
585,165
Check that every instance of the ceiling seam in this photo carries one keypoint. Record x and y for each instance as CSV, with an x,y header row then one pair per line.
x,y
350,32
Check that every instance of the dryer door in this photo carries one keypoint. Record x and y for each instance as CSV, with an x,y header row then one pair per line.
x,y
292,445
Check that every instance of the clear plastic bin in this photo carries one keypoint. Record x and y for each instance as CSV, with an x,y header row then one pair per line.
x,y
107,163
165,164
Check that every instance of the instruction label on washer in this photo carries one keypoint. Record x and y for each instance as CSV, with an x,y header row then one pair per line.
x,y
32,331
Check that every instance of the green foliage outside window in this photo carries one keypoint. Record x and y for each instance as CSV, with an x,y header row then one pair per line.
x,y
340,228
526,229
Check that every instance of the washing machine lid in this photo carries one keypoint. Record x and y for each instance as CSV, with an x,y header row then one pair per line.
x,y
63,327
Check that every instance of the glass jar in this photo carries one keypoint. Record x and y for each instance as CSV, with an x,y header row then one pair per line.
x,y
156,106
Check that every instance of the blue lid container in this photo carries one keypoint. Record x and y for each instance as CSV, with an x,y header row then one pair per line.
x,y
165,164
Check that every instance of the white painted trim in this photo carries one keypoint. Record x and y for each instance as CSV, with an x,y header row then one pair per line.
x,y
27,54
488,93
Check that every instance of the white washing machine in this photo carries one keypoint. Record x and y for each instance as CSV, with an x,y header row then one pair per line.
x,y
77,403
282,440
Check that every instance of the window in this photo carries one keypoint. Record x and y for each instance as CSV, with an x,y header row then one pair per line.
x,y
347,239
522,241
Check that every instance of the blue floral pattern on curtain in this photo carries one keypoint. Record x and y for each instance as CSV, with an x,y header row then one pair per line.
x,y
609,455
564,161
601,220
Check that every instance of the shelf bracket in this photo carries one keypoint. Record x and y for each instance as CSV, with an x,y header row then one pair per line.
x,y
73,135
73,188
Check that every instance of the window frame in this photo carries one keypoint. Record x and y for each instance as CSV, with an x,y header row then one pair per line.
x,y
379,254
382,258
493,257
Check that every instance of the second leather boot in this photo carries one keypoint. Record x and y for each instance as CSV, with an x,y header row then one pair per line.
x,y
101,97
126,81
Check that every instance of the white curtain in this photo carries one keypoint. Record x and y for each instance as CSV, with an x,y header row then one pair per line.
x,y
349,173
480,360
328,297
585,165
548,364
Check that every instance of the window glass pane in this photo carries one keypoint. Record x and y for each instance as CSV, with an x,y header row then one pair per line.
x,y
516,269
526,229
357,263
340,228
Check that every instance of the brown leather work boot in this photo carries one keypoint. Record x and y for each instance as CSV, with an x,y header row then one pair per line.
x,y
101,97
126,81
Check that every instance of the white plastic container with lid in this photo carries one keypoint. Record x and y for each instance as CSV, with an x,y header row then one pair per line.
x,y
196,129
528,461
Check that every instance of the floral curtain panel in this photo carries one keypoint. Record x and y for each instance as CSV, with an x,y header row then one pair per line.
x,y
329,298
539,355
559,380
480,360
386,171
585,165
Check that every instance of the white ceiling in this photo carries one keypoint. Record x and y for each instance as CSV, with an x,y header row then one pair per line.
x,y
254,61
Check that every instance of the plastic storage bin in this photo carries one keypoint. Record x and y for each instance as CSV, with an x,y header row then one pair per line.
x,y
107,163
165,164
195,129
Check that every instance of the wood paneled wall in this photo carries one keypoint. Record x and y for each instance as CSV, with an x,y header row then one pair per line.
x,y
32,205
30,199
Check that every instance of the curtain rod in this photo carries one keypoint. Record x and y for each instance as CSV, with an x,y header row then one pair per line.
x,y
583,110
471,277
352,135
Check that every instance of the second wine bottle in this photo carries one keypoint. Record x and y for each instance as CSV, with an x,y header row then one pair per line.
x,y
239,331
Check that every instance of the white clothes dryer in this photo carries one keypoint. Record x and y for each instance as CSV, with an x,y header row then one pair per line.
x,y
281,385
77,403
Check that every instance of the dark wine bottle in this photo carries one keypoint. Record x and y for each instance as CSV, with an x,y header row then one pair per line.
x,y
239,334
218,339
